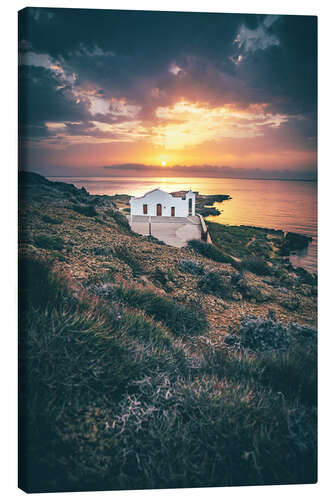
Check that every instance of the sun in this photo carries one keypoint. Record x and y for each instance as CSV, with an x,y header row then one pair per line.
x,y
163,163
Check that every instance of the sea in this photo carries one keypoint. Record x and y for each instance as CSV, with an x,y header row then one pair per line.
x,y
276,204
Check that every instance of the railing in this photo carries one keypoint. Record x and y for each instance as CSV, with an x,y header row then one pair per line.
x,y
205,236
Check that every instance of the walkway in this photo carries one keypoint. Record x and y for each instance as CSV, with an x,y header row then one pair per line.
x,y
174,231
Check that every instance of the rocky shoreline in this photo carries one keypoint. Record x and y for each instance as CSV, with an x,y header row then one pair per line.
x,y
82,234
287,241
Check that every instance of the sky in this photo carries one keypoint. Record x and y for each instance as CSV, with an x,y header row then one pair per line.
x,y
134,93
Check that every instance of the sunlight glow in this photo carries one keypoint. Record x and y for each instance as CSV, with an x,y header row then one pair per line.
x,y
188,124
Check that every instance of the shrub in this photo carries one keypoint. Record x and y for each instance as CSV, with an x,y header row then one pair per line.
x,y
152,239
209,251
87,210
49,242
180,318
170,275
52,220
217,284
256,265
216,432
101,251
160,276
121,220
37,285
261,334
291,303
127,255
192,267
306,277
265,333
292,372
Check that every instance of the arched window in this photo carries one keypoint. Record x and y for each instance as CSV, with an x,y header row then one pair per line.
x,y
145,209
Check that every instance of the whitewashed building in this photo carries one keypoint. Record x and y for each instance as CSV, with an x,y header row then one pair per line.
x,y
160,203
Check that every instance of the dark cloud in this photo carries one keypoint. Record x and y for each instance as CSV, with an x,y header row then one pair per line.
x,y
123,50
45,97
73,60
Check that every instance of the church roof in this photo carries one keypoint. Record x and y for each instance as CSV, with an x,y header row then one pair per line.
x,y
175,194
149,192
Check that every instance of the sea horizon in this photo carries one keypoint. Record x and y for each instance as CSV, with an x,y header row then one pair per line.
x,y
254,202
168,177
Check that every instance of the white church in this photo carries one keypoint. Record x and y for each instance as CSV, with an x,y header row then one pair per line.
x,y
160,203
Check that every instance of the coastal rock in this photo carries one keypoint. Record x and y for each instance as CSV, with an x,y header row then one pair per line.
x,y
293,242
306,277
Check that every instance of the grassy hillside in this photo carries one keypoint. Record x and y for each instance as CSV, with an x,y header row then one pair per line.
x,y
147,366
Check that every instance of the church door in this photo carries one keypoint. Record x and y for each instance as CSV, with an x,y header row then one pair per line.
x,y
190,206
158,209
172,211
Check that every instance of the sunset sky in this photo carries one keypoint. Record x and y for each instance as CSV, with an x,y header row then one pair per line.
x,y
129,93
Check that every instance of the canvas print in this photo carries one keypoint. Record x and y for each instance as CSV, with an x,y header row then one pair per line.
x,y
167,249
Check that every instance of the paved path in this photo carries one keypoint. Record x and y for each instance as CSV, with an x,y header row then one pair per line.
x,y
174,231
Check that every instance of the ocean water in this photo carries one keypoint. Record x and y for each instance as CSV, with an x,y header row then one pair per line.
x,y
286,205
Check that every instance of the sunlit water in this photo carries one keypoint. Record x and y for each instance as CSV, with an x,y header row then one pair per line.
x,y
286,205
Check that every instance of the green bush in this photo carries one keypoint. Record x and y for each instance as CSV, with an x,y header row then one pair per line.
x,y
292,372
217,284
87,210
160,276
52,220
121,220
128,255
265,334
180,318
256,265
191,266
102,251
209,251
49,242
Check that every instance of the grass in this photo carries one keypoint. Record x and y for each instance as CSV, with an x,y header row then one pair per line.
x,y
182,319
129,257
192,267
256,265
122,221
210,251
87,210
123,388
52,220
49,242
110,400
242,241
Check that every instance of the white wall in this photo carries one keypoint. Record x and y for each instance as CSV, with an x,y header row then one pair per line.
x,y
167,201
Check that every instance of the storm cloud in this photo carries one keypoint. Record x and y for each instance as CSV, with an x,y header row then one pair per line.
x,y
120,77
